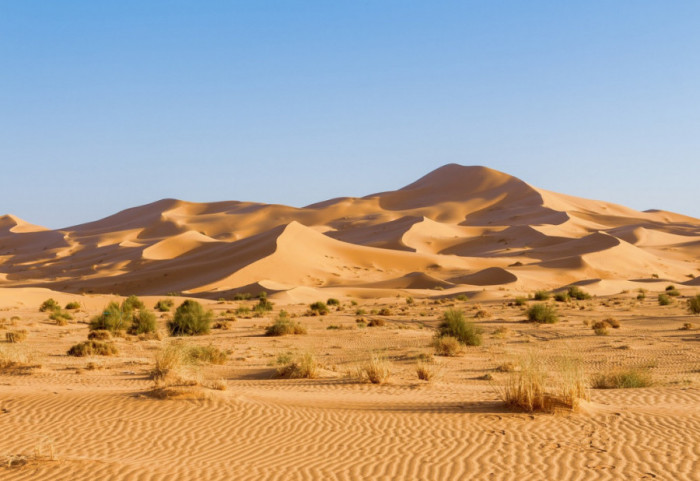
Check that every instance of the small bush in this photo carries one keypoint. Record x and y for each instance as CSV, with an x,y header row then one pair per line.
x,y
622,379
333,302
542,313
302,367
577,293
263,305
447,346
542,295
687,326
16,336
113,319
190,319
318,308
673,293
242,311
376,370
49,305
93,348
164,305
670,287
169,360
612,322
428,371
664,300
143,322
641,296
384,311
100,335
601,331
61,317
376,323
132,302
694,304
73,305
520,301
482,314
455,325
561,297
241,296
410,301
206,354
284,326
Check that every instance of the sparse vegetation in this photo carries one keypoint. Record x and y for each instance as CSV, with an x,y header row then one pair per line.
x,y
428,371
283,326
385,311
333,302
542,313
455,325
73,305
577,293
541,295
561,297
623,379
93,348
447,346
190,319
303,366
318,308
143,322
520,301
206,354
376,322
694,304
664,300
376,370
164,305
16,336
49,305
132,303
100,335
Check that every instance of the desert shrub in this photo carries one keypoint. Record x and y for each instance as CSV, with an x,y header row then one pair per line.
x,y
169,359
529,388
641,296
561,297
360,312
361,322
318,308
16,336
206,354
190,319
507,367
601,330
687,326
15,358
384,311
263,305
410,301
132,302
542,313
673,293
541,295
694,304
612,322
622,379
100,335
60,316
520,301
376,323
482,314
376,370
333,302
447,346
114,318
164,305
283,326
577,293
242,311
664,300
73,305
241,296
428,371
455,325
49,305
93,348
143,322
304,366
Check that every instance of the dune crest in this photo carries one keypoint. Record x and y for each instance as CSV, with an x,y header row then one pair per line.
x,y
456,226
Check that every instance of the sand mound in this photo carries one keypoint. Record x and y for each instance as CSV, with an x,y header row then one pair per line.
x,y
487,277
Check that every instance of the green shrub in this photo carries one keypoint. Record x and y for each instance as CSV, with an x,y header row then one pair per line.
x,y
164,305
143,322
410,301
694,304
190,319
333,302
114,318
283,326
242,311
49,305
520,301
542,313
132,302
664,300
60,316
318,308
241,296
577,293
455,325
73,305
561,297
542,295
622,379
673,292
93,348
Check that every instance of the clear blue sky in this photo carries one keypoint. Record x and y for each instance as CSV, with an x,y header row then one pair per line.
x,y
106,105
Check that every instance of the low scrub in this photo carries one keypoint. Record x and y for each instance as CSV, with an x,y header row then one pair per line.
x,y
694,304
623,379
73,305
542,313
143,322
49,305
376,370
664,299
164,305
333,302
61,317
542,295
447,346
455,325
206,354
100,335
93,348
577,293
16,359
318,308
283,326
190,319
16,336
376,322
428,371
300,367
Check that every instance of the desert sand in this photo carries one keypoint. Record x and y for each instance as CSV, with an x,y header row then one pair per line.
x,y
464,238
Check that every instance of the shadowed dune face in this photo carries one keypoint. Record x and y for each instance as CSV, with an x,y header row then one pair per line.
x,y
455,227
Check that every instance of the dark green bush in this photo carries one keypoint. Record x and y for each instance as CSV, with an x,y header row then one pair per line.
x,y
190,319
577,293
561,297
73,305
318,308
542,295
114,318
132,303
455,325
143,321
333,302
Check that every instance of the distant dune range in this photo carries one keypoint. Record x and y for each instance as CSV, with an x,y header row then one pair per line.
x,y
458,229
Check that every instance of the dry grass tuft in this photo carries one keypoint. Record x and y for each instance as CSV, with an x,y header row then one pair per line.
x,y
376,370
301,367
100,335
428,371
623,379
533,389
447,346
15,359
16,336
93,348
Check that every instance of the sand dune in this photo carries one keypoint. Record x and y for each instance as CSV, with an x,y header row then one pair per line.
x,y
450,225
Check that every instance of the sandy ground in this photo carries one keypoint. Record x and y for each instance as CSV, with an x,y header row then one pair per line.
x,y
94,416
